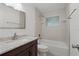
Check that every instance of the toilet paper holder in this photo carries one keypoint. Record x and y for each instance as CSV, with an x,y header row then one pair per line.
x,y
75,46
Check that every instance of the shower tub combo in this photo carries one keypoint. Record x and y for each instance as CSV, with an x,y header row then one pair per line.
x,y
55,48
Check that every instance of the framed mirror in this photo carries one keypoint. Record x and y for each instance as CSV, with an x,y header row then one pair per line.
x,y
11,18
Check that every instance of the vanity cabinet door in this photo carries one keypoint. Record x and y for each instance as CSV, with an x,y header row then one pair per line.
x,y
24,53
33,50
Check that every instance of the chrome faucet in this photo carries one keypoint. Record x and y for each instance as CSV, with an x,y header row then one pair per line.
x,y
14,36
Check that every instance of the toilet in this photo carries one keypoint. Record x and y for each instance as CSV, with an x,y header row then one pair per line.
x,y
42,50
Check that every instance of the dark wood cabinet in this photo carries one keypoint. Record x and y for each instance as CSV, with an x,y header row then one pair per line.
x,y
29,49
32,51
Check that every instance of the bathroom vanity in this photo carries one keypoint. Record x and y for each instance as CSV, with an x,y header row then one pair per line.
x,y
23,48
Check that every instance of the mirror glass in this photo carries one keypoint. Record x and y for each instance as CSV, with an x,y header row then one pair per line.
x,y
11,18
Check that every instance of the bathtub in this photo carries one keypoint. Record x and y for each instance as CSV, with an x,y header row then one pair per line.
x,y
55,48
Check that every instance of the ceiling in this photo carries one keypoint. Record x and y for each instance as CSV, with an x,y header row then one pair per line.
x,y
47,7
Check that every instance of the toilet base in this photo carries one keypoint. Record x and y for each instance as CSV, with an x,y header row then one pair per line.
x,y
42,50
42,54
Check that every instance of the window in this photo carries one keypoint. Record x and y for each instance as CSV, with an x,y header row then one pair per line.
x,y
53,21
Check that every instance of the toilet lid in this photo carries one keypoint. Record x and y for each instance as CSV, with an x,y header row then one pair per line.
x,y
42,47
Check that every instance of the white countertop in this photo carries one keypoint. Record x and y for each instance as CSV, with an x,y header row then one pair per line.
x,y
8,45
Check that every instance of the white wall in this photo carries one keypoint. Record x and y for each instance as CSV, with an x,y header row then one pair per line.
x,y
30,19
38,23
67,29
58,33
